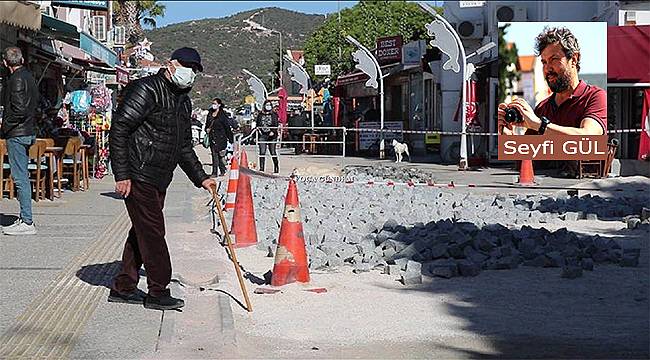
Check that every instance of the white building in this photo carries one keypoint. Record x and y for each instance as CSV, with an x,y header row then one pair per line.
x,y
478,25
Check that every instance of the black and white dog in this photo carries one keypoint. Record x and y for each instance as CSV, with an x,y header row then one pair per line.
x,y
400,148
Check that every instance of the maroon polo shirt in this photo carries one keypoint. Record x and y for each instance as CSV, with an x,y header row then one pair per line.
x,y
586,101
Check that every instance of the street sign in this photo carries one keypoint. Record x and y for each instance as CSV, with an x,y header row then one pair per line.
x,y
413,51
322,69
389,49
467,4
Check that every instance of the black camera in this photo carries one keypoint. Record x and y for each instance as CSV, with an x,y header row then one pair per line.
x,y
513,116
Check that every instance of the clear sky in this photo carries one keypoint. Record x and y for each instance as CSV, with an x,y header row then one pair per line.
x,y
180,11
592,38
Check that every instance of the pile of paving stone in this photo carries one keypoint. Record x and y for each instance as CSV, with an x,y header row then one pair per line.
x,y
412,232
387,172
639,222
447,249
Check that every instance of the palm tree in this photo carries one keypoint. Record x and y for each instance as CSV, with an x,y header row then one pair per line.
x,y
132,13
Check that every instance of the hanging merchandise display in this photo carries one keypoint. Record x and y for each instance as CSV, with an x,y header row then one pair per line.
x,y
80,101
101,166
90,114
101,97
102,104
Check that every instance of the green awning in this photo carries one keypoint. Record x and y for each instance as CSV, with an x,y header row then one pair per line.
x,y
95,48
59,28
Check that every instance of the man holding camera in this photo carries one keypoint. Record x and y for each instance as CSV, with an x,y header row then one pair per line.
x,y
574,108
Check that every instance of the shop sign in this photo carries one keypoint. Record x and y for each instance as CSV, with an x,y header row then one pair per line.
x,y
412,52
468,4
322,69
389,49
122,76
393,130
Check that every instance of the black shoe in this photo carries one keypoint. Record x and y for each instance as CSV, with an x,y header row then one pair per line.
x,y
136,297
163,302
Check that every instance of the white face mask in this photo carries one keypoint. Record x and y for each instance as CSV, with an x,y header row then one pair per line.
x,y
183,77
215,106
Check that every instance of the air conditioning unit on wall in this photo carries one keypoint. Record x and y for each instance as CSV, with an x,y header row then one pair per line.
x,y
470,29
510,13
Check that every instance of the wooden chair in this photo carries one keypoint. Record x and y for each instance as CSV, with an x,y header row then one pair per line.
x,y
85,161
51,166
5,174
612,147
72,161
599,168
591,168
38,170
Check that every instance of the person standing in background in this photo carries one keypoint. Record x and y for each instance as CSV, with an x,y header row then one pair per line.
x,y
218,129
267,121
20,100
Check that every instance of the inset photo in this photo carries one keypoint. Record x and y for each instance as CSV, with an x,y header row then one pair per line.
x,y
552,78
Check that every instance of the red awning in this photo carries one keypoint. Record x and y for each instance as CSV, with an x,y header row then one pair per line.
x,y
628,54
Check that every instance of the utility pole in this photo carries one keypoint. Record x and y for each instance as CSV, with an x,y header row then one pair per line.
x,y
366,64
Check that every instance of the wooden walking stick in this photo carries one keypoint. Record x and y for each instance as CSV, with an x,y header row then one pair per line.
x,y
233,256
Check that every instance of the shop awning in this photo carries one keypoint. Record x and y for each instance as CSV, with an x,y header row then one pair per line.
x,y
22,15
59,29
628,54
93,47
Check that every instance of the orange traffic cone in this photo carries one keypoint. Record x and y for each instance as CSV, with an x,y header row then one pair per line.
x,y
243,219
526,175
291,255
231,194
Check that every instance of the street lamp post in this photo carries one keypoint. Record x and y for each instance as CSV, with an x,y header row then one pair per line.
x,y
379,80
463,163
444,45
303,79
281,67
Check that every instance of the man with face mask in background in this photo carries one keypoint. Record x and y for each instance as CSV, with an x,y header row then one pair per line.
x,y
151,135
267,121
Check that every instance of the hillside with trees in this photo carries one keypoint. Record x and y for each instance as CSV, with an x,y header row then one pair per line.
x,y
229,44
366,21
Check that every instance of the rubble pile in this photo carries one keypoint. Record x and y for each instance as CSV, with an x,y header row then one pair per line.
x,y
387,172
410,232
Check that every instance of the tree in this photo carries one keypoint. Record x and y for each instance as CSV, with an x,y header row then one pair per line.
x,y
507,55
132,13
366,21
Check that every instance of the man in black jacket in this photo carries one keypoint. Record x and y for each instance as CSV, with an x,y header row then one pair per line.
x,y
150,136
20,99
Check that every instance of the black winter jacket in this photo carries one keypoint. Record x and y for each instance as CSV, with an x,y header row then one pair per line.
x,y
151,133
20,100
220,131
268,123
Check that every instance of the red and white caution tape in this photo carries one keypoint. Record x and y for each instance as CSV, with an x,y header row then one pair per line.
x,y
619,131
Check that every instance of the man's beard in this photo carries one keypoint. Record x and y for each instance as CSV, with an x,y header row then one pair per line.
x,y
561,83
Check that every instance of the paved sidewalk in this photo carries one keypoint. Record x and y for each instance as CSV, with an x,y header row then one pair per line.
x,y
56,283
